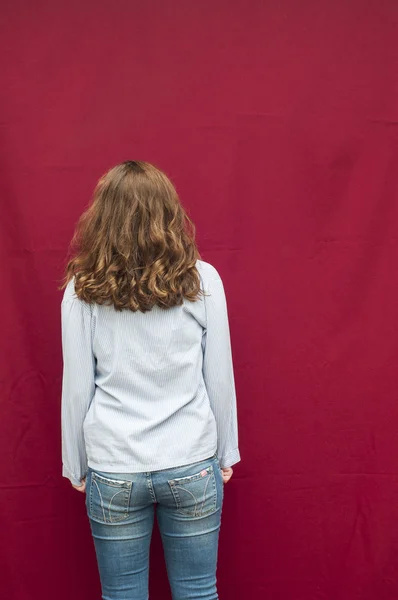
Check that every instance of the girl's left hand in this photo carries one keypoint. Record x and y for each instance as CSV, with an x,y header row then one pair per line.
x,y
82,487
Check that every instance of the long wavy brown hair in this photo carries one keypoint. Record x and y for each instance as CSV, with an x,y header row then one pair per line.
x,y
134,246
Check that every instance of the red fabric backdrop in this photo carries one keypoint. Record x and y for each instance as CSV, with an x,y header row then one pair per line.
x,y
278,123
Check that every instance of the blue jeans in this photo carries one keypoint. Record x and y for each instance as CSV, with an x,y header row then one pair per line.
x,y
121,508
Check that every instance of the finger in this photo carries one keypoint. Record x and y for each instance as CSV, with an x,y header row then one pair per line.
x,y
79,488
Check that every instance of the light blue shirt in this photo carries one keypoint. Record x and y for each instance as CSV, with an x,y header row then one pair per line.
x,y
147,391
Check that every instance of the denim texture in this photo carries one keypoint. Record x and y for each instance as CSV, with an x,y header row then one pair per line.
x,y
187,501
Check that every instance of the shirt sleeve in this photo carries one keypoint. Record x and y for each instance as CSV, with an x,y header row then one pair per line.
x,y
218,372
78,385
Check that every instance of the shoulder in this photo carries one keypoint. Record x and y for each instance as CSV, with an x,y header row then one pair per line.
x,y
69,292
207,271
71,301
71,296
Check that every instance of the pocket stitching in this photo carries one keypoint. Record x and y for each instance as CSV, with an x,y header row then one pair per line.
x,y
127,488
204,495
115,482
174,489
100,495
193,477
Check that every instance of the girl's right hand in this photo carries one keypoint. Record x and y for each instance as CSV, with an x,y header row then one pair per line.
x,y
227,474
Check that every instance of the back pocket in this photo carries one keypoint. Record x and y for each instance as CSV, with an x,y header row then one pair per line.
x,y
108,499
195,495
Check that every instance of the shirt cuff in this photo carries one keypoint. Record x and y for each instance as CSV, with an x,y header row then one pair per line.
x,y
230,459
69,475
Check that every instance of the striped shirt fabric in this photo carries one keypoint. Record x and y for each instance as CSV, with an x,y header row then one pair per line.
x,y
147,391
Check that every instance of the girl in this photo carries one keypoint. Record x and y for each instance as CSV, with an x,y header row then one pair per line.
x,y
149,415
